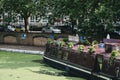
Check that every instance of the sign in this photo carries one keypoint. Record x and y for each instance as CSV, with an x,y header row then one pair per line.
x,y
23,36
73,38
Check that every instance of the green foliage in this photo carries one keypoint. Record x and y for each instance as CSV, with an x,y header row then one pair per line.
x,y
94,42
70,44
91,50
65,39
62,43
89,13
25,8
81,48
55,37
22,6
114,53
113,56
86,42
49,41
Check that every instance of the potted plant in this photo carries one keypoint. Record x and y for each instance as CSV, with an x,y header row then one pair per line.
x,y
86,42
61,43
49,41
113,56
65,39
91,50
114,53
70,44
55,37
95,43
80,48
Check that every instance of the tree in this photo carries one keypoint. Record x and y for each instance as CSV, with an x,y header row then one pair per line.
x,y
91,14
23,7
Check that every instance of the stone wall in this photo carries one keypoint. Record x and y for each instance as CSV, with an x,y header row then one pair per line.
x,y
34,39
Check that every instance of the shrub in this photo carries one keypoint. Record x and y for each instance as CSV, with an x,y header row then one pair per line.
x,y
55,37
113,56
80,48
86,42
49,41
70,44
94,42
65,39
114,53
62,43
91,50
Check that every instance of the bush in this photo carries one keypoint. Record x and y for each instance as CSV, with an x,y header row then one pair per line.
x,y
86,42
62,43
91,50
80,48
114,53
49,41
94,42
70,44
55,37
113,56
65,39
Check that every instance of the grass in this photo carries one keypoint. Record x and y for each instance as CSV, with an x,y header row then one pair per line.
x,y
18,66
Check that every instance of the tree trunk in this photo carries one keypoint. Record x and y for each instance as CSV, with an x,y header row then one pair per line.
x,y
26,21
73,21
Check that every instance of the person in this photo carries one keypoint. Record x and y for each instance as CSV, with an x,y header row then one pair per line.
x,y
108,36
101,45
81,38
